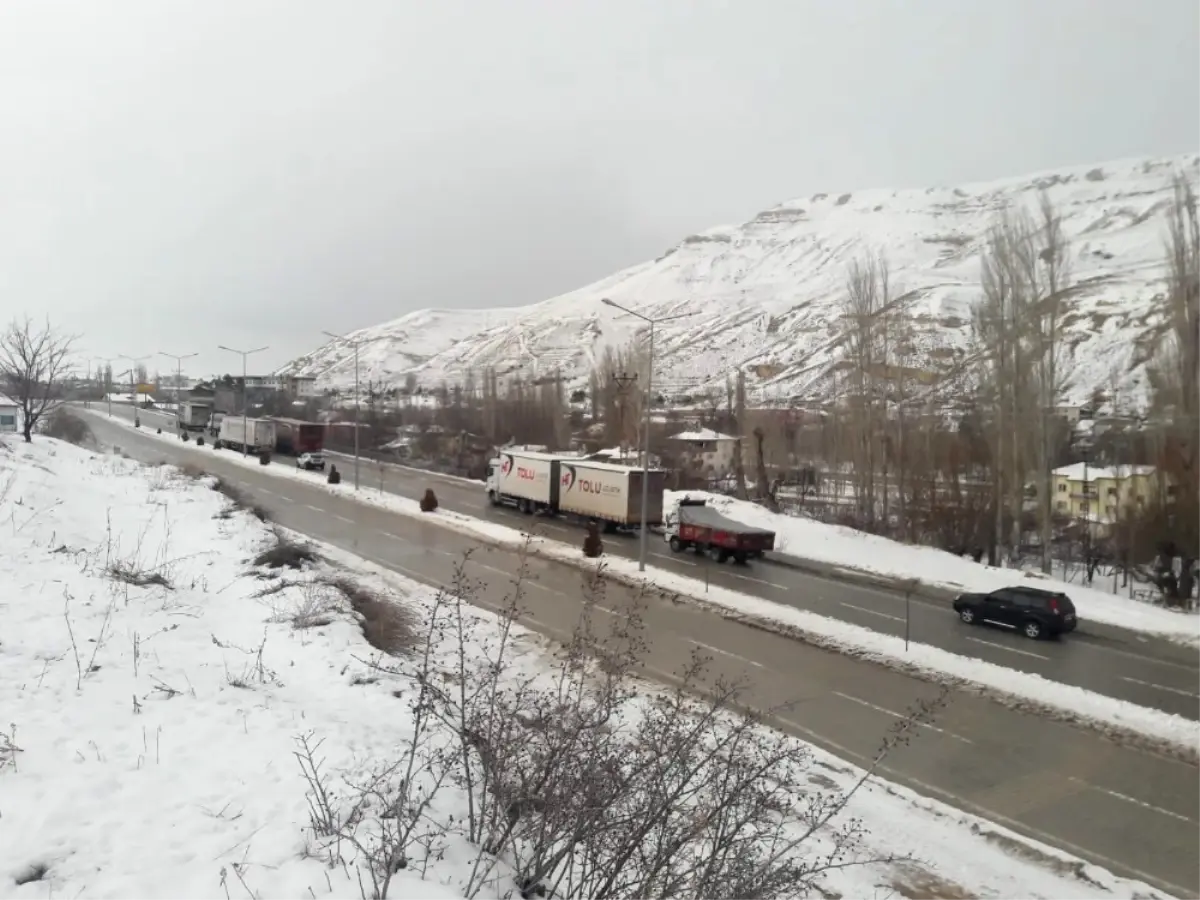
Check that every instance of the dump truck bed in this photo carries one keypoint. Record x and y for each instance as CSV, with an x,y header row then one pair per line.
x,y
707,517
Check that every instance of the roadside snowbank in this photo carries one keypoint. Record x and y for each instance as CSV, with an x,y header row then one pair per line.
x,y
154,688
1124,720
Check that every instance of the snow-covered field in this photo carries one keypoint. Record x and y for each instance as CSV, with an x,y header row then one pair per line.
x,y
763,295
158,692
1171,733
856,550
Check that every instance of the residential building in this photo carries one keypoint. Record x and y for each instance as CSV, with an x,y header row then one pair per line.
x,y
297,386
1102,494
709,451
10,415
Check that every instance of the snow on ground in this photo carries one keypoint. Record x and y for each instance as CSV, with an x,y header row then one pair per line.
x,y
1172,732
155,687
840,546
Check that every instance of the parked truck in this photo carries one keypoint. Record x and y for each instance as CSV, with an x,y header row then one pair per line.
x,y
303,440
550,484
696,525
253,435
192,417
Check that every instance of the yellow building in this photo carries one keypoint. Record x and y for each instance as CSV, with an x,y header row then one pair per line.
x,y
1103,494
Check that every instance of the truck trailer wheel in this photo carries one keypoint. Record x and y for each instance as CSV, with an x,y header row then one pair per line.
x,y
722,555
493,498
677,546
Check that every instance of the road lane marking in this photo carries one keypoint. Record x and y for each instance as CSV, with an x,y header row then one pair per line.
x,y
749,662
896,715
686,562
313,508
341,518
874,612
1134,800
771,584
611,612
1009,649
1161,687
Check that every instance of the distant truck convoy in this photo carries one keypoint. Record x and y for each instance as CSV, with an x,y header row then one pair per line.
x,y
303,440
697,525
192,417
549,484
254,435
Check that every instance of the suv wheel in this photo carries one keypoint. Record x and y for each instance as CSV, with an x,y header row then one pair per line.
x,y
1032,630
967,615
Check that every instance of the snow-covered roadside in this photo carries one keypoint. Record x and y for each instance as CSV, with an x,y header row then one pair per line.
x,y
1127,721
154,688
846,548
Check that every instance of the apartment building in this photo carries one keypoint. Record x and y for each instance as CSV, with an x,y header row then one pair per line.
x,y
1102,494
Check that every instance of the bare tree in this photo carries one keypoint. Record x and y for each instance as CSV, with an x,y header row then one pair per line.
x,y
33,361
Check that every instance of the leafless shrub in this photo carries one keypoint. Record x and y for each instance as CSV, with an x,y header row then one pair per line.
x,y
583,783
62,424
387,625
239,500
9,748
254,671
316,606
286,553
428,501
129,573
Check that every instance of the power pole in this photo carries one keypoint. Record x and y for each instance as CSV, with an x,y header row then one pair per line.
x,y
623,384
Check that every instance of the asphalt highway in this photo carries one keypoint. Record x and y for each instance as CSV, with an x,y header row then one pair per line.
x,y
1148,671
1129,810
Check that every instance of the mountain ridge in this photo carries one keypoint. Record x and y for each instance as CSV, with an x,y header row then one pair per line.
x,y
764,295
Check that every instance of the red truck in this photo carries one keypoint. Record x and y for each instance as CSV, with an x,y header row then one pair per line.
x,y
697,525
303,440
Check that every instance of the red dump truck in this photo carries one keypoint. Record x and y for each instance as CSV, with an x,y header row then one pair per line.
x,y
698,526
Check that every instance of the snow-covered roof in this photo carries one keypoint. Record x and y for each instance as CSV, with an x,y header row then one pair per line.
x,y
5,400
704,434
1076,471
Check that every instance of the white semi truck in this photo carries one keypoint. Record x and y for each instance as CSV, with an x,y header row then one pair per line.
x,y
551,484
253,435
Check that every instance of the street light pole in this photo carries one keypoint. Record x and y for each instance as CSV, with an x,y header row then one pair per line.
x,y
134,361
355,343
244,354
178,373
644,536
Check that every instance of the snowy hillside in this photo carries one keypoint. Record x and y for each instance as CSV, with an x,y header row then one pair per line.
x,y
764,295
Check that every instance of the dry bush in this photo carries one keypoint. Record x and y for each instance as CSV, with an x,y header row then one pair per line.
x,y
387,626
428,501
239,500
285,553
130,573
62,424
9,748
578,780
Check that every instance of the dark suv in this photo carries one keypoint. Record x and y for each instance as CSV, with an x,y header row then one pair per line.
x,y
1035,613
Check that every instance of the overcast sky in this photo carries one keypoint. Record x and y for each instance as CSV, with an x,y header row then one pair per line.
x,y
174,175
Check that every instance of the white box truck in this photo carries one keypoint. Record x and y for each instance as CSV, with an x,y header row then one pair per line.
x,y
255,435
610,492
192,417
525,479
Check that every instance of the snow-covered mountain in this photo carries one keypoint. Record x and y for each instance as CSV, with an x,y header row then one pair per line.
x,y
764,295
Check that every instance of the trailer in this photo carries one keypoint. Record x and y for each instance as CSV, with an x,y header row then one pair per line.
x,y
610,493
698,526
192,417
549,484
251,435
303,440
214,424
526,479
